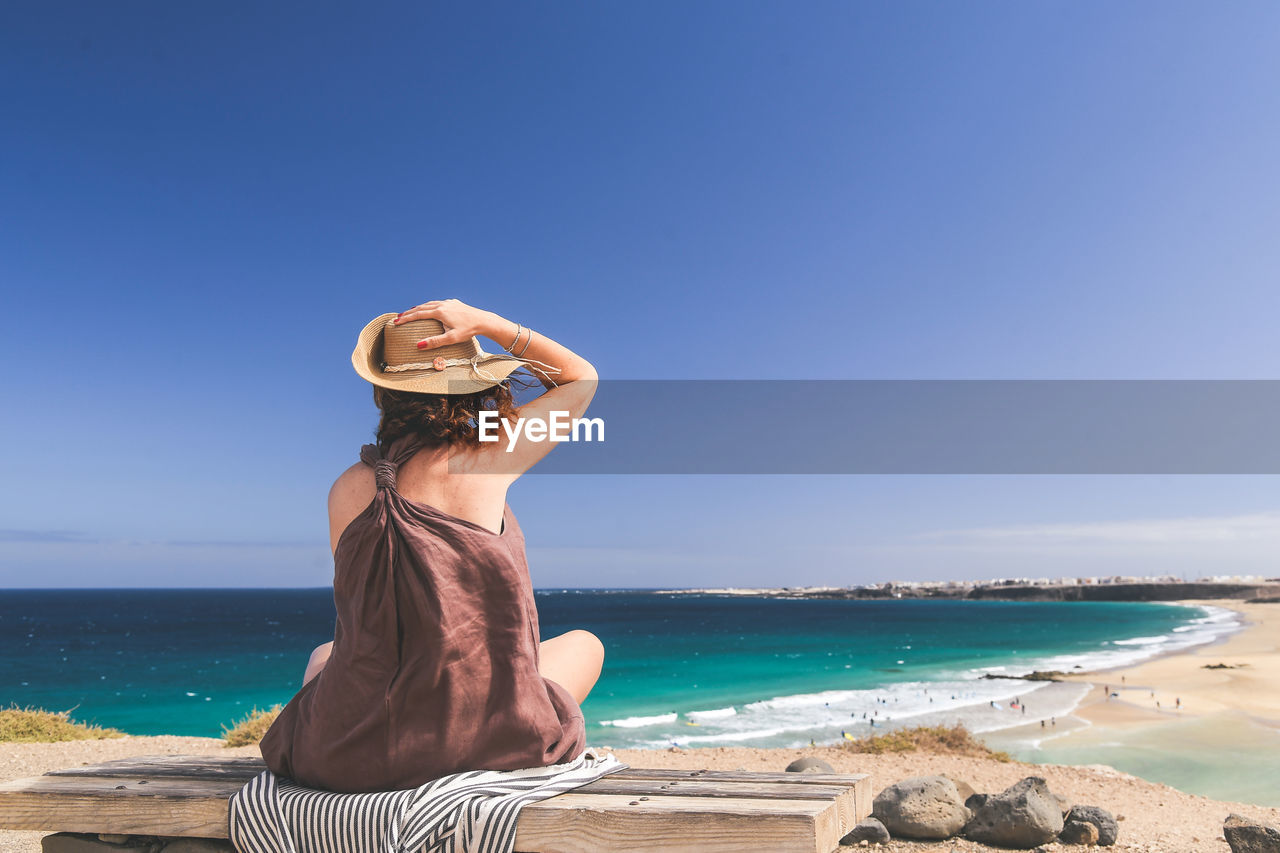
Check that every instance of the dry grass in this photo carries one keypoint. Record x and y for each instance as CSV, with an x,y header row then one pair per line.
x,y
250,730
36,725
943,740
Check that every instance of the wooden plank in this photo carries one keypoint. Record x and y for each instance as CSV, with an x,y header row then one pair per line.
x,y
619,784
853,807
116,804
187,795
731,775
852,797
116,787
623,782
246,768
570,822
584,823
193,766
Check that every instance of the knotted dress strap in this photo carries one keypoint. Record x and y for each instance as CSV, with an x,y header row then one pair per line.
x,y
385,466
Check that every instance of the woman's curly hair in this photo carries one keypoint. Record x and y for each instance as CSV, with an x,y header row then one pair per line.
x,y
438,418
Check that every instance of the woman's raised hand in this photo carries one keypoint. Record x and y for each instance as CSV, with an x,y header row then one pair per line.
x,y
460,320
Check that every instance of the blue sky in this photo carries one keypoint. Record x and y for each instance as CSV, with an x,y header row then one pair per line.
x,y
200,207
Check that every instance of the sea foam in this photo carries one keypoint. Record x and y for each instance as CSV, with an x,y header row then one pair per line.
x,y
713,714
640,722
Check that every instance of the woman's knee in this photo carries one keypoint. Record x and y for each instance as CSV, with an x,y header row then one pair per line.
x,y
584,649
319,657
573,660
588,645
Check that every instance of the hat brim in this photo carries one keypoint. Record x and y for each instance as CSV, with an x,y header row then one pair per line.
x,y
367,360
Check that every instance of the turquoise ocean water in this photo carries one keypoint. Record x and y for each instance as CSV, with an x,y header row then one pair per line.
x,y
696,670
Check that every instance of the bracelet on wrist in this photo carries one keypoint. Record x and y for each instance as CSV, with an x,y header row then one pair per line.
x,y
511,349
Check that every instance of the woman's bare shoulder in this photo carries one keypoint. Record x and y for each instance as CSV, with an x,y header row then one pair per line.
x,y
349,496
356,481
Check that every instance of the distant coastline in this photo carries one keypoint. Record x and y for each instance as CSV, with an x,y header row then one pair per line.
x,y
1127,590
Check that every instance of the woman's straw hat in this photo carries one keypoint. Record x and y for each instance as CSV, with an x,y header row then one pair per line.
x,y
388,356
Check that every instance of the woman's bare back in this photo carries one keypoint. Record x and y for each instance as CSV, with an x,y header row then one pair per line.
x,y
433,477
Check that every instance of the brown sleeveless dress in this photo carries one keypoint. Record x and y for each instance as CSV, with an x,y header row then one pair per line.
x,y
434,668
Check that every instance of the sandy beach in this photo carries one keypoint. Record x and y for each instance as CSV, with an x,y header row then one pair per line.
x,y
1154,817
1189,684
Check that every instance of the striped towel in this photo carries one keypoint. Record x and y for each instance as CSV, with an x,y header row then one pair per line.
x,y
471,812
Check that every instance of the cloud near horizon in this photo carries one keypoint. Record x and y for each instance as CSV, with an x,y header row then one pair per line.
x,y
1251,527
78,537
54,559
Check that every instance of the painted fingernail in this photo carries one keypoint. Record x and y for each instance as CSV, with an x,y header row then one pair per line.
x,y
422,344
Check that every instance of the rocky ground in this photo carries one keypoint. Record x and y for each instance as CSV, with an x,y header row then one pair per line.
x,y
1151,817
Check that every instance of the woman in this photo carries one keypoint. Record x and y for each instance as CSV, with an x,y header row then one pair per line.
x,y
436,665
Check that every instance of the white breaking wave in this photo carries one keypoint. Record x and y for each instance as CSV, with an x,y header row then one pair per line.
x,y
1141,641
800,700
640,722
713,714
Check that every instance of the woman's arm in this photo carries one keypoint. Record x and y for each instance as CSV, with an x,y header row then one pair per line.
x,y
571,380
461,321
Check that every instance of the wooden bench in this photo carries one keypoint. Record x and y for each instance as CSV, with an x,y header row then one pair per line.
x,y
633,810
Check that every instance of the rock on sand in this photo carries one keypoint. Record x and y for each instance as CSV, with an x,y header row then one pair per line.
x,y
925,807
